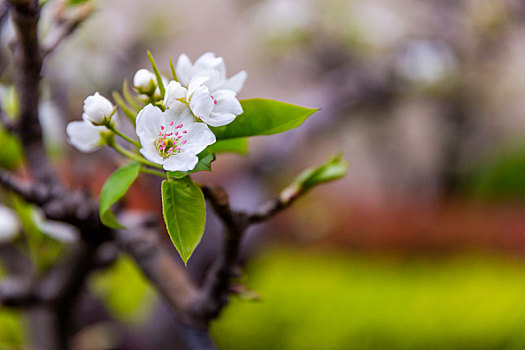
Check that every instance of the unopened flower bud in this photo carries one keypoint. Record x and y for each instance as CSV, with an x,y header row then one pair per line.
x,y
98,109
145,82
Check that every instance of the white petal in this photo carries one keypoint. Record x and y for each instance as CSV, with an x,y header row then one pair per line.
x,y
195,84
183,116
199,137
201,103
149,151
184,69
85,136
236,82
207,60
9,225
181,162
227,102
148,122
174,92
219,119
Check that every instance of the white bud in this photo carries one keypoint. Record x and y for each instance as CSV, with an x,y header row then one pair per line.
x,y
144,81
97,108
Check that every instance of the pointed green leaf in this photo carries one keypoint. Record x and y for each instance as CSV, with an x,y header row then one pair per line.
x,y
263,117
160,84
114,189
239,146
334,169
124,107
173,70
184,213
204,164
130,99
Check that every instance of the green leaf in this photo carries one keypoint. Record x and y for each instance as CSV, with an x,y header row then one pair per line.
x,y
74,2
334,169
160,84
184,213
124,107
114,189
173,70
204,164
239,146
263,117
130,99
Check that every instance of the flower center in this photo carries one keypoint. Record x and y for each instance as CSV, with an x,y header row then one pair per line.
x,y
170,140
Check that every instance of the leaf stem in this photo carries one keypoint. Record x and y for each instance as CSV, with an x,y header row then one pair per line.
x,y
125,137
153,172
132,155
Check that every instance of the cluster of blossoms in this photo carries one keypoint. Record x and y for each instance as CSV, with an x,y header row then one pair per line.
x,y
172,129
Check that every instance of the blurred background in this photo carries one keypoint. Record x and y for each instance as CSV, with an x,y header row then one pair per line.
x,y
420,246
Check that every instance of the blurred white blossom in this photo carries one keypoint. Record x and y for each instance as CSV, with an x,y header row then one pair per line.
x,y
9,224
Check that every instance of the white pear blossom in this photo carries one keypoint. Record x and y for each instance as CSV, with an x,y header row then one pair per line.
x,y
9,225
97,109
87,137
211,96
216,108
145,81
212,67
172,138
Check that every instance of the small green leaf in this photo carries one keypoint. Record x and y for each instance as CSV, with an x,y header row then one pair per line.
x,y
160,84
173,70
130,99
263,117
114,189
204,164
184,213
334,169
124,107
239,146
74,2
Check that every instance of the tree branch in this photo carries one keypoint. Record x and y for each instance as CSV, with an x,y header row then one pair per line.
x,y
65,26
28,63
169,277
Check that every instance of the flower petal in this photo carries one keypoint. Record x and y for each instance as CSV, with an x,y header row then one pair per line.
x,y
85,136
181,162
183,116
201,102
219,119
174,92
184,70
227,102
149,151
148,122
235,83
199,137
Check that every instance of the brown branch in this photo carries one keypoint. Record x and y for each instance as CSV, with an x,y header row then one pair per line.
x,y
64,27
169,277
286,198
28,64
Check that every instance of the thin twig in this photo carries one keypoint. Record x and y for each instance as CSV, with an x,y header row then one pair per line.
x,y
64,27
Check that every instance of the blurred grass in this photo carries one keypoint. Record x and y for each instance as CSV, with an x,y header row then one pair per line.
x,y
316,300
